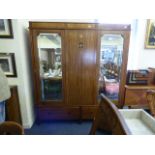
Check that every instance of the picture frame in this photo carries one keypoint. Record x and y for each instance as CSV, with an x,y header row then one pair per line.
x,y
137,77
150,34
6,28
7,64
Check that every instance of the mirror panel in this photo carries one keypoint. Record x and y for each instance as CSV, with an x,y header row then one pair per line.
x,y
111,49
49,49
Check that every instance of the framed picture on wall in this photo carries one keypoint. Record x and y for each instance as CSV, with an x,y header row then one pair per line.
x,y
6,28
150,34
7,64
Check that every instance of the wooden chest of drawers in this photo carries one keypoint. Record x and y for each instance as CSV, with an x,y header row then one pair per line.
x,y
135,96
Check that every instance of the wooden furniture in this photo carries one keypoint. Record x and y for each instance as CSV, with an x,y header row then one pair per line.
x,y
150,95
70,51
135,95
108,118
11,128
12,106
151,80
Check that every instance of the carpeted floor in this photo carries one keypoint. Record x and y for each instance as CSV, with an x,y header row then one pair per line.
x,y
60,128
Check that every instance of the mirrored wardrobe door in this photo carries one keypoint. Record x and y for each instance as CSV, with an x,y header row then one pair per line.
x,y
111,54
49,47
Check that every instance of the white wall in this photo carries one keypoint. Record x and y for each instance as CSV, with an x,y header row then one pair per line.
x,y
139,57
20,46
146,56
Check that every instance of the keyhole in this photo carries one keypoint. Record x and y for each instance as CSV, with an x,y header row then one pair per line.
x,y
80,45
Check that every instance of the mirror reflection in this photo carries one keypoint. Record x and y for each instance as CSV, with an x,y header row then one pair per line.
x,y
110,65
49,49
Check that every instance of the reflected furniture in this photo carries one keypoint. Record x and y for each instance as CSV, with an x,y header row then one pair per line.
x,y
11,128
66,67
109,119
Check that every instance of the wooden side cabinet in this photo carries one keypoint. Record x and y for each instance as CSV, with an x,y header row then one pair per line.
x,y
135,96
12,106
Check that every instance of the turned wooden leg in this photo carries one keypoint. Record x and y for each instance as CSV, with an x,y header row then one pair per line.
x,y
150,95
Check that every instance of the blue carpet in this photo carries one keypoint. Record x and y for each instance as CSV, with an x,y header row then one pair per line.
x,y
60,128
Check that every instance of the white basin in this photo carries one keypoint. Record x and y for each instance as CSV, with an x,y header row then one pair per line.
x,y
139,121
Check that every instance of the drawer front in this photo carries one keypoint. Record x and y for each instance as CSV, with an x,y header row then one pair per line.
x,y
135,97
58,113
44,25
66,113
80,26
88,112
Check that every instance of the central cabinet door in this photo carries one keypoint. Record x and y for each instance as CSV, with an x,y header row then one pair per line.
x,y
81,84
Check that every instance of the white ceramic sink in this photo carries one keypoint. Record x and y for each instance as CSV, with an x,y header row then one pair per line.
x,y
139,121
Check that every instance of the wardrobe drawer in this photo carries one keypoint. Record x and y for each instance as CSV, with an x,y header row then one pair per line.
x,y
88,112
58,114
44,25
81,26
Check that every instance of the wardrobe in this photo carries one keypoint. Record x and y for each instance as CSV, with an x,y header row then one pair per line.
x,y
66,67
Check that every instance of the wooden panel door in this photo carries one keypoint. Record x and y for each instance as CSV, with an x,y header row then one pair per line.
x,y
81,84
